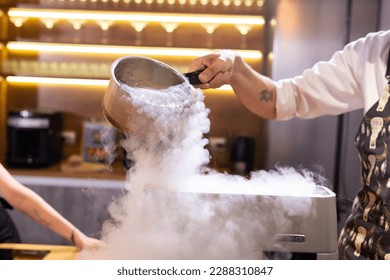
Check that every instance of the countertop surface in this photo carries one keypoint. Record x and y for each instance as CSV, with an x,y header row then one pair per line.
x,y
24,251
55,175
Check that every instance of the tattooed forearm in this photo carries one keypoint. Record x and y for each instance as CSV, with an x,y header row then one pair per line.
x,y
265,95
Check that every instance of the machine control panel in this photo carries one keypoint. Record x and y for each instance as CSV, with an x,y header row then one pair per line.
x,y
295,238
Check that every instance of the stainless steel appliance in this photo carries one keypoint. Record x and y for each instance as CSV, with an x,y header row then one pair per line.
x,y
312,230
94,144
242,154
283,224
34,138
312,236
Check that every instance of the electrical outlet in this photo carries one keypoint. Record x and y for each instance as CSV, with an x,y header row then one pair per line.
x,y
69,137
218,144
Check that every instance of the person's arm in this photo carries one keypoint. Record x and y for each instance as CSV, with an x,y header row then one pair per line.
x,y
330,87
256,92
31,204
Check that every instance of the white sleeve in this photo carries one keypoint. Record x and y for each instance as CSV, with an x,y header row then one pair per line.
x,y
329,88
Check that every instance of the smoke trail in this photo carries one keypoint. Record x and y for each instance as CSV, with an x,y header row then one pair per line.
x,y
176,209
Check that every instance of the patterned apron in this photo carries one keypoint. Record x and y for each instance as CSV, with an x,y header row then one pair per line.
x,y
366,234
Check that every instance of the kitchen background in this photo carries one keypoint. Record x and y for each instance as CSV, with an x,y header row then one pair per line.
x,y
281,39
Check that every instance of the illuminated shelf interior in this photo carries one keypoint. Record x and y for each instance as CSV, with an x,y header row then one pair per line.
x,y
226,3
18,16
79,82
119,50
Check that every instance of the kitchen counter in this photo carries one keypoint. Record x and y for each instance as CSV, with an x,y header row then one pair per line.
x,y
56,176
114,172
40,251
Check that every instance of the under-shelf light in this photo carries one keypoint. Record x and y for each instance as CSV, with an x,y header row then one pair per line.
x,y
170,26
237,3
26,80
120,50
19,13
210,27
56,81
260,3
18,21
48,22
105,24
226,3
77,23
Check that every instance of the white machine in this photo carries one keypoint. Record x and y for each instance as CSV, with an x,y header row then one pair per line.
x,y
313,236
278,225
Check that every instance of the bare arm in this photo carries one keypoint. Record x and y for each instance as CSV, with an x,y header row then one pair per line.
x,y
31,204
255,91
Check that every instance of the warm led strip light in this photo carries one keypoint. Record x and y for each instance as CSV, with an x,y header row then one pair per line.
x,y
56,81
74,82
135,16
120,50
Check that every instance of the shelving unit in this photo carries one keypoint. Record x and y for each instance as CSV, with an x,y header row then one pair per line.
x,y
58,53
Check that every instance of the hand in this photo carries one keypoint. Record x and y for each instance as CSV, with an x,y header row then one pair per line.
x,y
81,241
218,68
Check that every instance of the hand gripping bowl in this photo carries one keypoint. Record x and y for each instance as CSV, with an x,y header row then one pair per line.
x,y
134,72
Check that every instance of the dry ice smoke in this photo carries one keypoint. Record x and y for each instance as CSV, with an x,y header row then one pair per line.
x,y
177,209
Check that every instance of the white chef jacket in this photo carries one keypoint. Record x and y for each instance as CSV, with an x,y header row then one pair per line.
x,y
354,78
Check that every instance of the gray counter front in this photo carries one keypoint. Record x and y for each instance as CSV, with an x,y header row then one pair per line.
x,y
82,201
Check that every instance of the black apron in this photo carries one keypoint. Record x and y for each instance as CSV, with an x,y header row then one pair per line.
x,y
8,231
366,234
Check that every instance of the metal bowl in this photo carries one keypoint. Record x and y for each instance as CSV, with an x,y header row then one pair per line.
x,y
135,72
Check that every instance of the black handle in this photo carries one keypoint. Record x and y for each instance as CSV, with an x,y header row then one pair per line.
x,y
193,77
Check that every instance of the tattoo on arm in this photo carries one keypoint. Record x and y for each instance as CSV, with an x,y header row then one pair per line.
x,y
265,95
